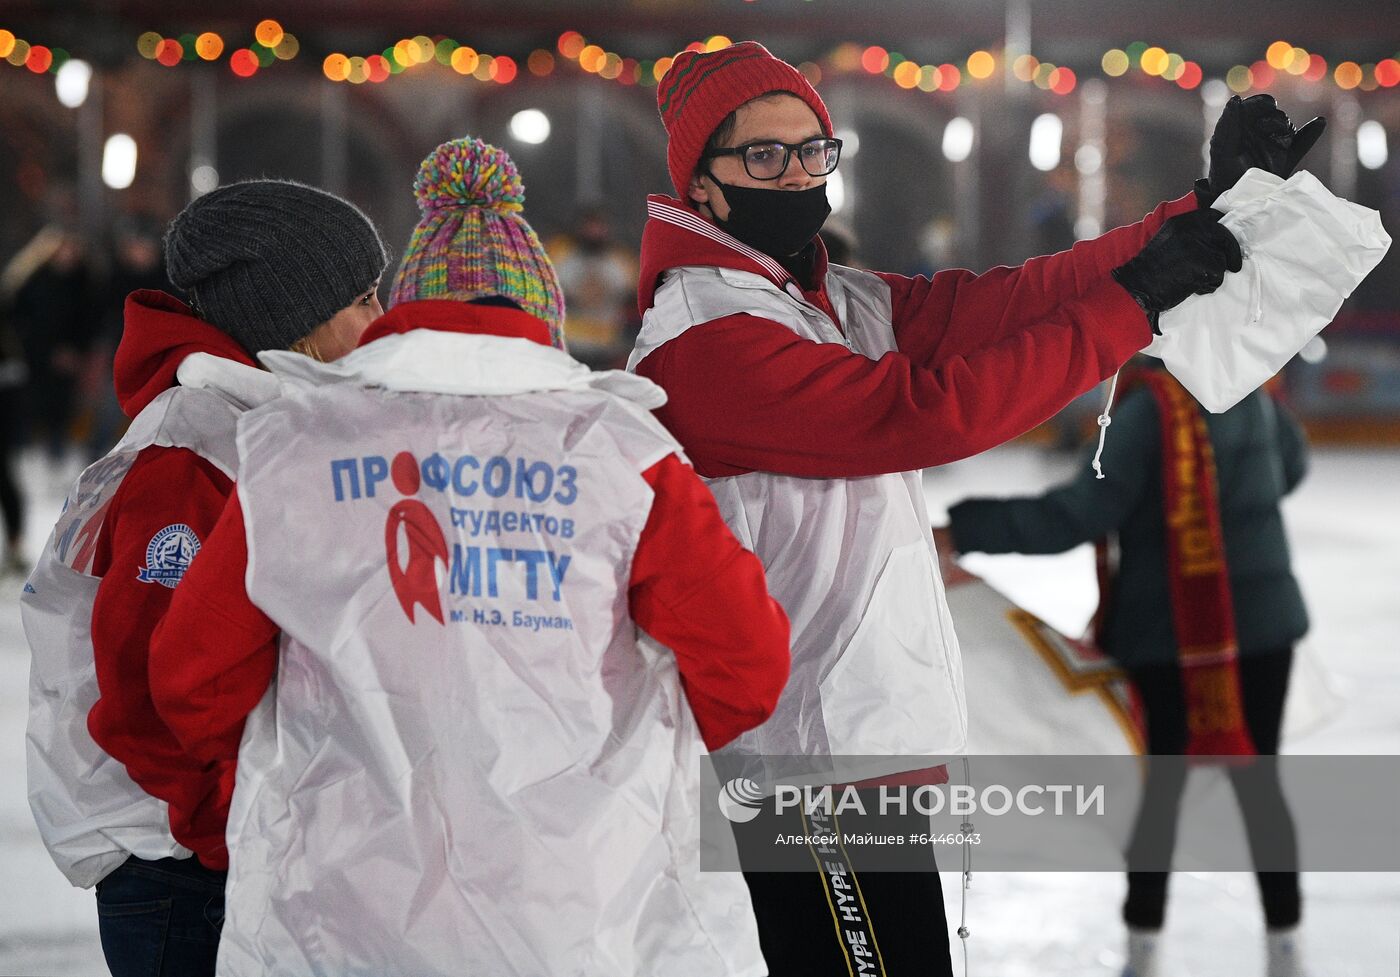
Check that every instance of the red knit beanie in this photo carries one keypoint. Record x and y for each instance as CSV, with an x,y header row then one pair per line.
x,y
700,90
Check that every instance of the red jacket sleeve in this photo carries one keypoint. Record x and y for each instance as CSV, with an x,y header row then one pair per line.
x,y
700,593
165,487
956,312
213,655
748,394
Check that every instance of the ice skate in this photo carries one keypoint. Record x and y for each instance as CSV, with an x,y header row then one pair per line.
x,y
1284,953
1142,953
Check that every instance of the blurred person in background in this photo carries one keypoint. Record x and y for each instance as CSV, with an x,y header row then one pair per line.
x,y
1228,588
1052,212
446,778
53,313
12,375
599,277
811,396
267,265
936,247
136,266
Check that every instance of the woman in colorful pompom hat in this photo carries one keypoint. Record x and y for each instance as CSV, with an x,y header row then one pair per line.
x,y
473,242
470,757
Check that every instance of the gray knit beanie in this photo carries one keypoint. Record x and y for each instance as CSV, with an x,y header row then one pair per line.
x,y
267,261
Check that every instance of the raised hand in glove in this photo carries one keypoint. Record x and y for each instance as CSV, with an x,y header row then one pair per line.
x,y
1254,132
1188,256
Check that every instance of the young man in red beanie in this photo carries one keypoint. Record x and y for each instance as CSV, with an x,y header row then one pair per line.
x,y
812,395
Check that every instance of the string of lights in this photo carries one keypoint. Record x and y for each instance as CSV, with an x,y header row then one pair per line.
x,y
36,57
271,44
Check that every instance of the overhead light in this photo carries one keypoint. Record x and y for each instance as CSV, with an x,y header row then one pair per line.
x,y
1371,149
958,135
1215,93
850,142
1087,227
203,178
530,126
72,81
1088,159
1046,132
119,161
1315,351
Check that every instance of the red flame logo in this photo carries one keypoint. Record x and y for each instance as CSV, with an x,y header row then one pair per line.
x,y
415,583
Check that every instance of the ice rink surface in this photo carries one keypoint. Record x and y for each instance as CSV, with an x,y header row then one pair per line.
x,y
1345,531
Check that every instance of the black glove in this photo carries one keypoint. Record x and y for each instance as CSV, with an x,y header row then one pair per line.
x,y
1188,256
1254,132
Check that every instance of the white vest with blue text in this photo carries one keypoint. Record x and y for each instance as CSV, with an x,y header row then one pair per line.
x,y
876,671
468,760
90,814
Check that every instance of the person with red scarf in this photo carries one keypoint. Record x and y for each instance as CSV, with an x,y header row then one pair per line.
x,y
1202,610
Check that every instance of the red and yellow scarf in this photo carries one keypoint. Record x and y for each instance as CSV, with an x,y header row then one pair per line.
x,y
1198,578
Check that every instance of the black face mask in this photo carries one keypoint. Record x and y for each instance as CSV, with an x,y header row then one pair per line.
x,y
779,223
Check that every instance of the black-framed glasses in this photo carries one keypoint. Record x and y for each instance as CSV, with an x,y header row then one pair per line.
x,y
769,160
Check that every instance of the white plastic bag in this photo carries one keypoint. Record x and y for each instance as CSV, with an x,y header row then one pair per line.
x,y
1304,252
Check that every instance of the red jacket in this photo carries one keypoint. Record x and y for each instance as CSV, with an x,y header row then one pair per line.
x,y
164,486
981,359
692,587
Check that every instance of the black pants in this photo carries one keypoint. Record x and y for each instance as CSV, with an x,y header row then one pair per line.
x,y
894,927
1264,685
52,397
11,503
161,918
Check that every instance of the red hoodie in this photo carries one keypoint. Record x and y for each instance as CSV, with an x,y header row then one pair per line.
x,y
165,486
981,358
692,587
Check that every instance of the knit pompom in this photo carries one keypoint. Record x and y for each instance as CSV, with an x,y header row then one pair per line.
x,y
469,173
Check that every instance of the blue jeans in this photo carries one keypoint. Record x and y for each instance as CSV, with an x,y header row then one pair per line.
x,y
161,918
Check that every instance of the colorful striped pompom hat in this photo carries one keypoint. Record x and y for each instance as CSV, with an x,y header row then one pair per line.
x,y
472,241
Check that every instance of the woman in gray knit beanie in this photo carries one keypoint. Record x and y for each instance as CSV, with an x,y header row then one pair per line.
x,y
278,265
268,265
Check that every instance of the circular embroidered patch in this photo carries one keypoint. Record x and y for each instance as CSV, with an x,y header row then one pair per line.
x,y
169,555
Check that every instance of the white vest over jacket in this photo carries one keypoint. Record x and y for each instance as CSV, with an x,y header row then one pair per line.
x,y
875,664
90,813
487,774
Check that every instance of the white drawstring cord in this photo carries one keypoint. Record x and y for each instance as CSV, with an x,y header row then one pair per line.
x,y
966,828
1104,422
